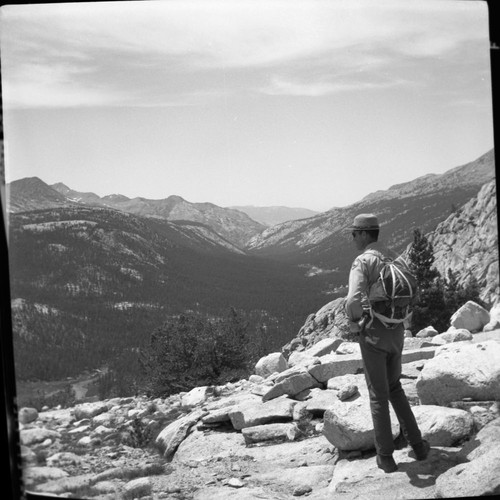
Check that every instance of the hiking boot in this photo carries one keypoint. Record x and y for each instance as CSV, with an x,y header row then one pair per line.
x,y
386,463
421,449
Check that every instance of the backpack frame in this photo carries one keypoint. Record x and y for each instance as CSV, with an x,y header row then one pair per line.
x,y
392,295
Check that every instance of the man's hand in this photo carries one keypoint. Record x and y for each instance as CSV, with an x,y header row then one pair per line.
x,y
354,327
359,326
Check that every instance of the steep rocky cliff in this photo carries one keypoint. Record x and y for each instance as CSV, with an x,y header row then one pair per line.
x,y
467,243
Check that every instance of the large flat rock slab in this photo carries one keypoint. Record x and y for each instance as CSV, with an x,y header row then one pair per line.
x,y
362,479
335,365
200,446
317,477
245,493
291,386
250,415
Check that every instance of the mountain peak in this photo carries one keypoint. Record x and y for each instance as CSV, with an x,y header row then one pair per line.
x,y
175,199
115,198
61,187
273,215
31,193
28,181
76,196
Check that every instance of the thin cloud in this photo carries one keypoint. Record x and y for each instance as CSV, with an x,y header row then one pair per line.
x,y
280,86
80,42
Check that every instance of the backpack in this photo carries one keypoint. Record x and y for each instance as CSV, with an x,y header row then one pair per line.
x,y
392,295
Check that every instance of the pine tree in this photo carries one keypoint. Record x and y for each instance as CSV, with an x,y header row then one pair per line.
x,y
430,303
472,291
452,290
421,259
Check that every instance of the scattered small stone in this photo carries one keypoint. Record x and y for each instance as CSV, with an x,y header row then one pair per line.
x,y
137,488
27,415
234,482
495,407
347,392
304,489
256,379
477,409
172,489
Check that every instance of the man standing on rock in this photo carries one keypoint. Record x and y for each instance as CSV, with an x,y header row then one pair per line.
x,y
381,347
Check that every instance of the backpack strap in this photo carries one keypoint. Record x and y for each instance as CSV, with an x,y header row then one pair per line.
x,y
387,322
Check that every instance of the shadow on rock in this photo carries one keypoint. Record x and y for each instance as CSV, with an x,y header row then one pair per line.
x,y
361,478
423,474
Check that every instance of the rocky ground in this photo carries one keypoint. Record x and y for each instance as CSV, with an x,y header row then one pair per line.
x,y
225,442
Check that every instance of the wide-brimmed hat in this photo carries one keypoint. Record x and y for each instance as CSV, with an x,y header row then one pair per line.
x,y
364,222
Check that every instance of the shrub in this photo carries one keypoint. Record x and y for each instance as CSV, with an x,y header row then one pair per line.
x,y
123,377
192,350
140,435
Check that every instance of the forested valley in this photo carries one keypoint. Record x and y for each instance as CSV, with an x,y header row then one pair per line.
x,y
91,286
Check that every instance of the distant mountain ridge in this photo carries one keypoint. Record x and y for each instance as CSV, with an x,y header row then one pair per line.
x,y
234,226
270,216
422,203
32,193
316,240
472,174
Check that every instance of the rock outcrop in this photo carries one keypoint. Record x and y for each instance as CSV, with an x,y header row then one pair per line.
x,y
467,243
329,322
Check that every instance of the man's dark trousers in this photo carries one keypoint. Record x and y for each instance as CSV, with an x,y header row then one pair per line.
x,y
381,350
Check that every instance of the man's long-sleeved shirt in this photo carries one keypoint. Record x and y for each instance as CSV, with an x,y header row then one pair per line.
x,y
364,273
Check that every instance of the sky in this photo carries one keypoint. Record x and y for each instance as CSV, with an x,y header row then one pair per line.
x,y
298,103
